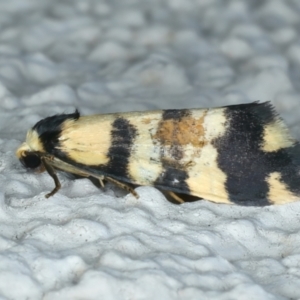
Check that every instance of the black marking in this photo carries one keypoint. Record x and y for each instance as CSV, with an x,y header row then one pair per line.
x,y
123,135
173,179
247,166
31,160
49,130
288,165
175,114
176,152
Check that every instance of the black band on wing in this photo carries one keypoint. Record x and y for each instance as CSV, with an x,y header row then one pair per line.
x,y
246,165
49,130
175,114
239,154
123,135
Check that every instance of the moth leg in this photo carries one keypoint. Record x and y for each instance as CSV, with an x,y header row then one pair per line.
x,y
101,178
123,186
52,173
175,197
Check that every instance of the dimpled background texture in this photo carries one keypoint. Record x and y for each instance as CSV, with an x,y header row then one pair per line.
x,y
124,55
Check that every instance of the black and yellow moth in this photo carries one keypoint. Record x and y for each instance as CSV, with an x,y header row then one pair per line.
x,y
240,154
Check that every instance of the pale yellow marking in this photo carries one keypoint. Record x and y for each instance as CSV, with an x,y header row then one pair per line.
x,y
32,143
276,136
144,163
214,124
88,139
278,191
20,151
206,180
198,114
33,140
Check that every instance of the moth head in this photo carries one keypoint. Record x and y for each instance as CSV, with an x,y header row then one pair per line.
x,y
30,159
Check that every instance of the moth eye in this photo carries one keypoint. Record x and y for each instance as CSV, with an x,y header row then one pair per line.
x,y
31,161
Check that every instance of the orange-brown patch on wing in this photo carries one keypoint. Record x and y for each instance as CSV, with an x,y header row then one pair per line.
x,y
181,132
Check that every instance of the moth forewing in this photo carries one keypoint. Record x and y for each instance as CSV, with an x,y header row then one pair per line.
x,y
240,154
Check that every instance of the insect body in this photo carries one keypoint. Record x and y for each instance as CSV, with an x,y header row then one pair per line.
x,y
240,154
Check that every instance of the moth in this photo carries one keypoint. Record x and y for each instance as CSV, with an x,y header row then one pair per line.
x,y
240,154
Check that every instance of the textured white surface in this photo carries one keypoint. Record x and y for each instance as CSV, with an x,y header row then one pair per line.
x,y
108,56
